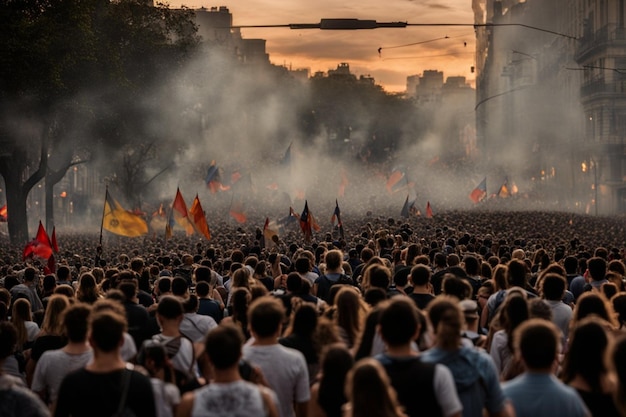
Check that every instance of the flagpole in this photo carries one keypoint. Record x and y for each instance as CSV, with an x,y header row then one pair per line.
x,y
106,194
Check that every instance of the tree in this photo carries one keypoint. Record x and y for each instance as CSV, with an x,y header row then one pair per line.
x,y
65,66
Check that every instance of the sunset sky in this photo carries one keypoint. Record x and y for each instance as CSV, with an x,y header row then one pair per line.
x,y
321,50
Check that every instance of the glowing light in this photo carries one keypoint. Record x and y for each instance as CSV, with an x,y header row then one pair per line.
x,y
63,194
583,167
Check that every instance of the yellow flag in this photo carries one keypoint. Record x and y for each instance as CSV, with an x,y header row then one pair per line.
x,y
121,222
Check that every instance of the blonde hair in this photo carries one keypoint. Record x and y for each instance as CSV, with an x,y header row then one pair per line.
x,y
20,313
53,318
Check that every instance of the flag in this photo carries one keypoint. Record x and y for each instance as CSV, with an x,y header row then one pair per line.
x,y
429,211
213,179
180,215
413,210
53,240
3,214
286,161
305,222
344,183
405,208
237,211
394,179
198,220
479,192
159,219
40,246
337,217
514,189
121,222
270,234
503,192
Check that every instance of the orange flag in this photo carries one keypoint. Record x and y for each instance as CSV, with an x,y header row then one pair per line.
x,y
198,220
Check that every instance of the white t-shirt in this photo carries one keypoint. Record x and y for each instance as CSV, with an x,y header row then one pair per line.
x,y
234,399
53,366
166,396
196,326
286,372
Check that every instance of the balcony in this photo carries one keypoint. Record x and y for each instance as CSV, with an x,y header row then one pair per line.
x,y
609,35
602,88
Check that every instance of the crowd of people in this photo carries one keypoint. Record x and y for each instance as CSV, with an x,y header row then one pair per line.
x,y
466,314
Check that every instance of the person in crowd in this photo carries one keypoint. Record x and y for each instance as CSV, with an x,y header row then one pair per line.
x,y
369,392
22,319
473,370
284,369
15,399
106,385
584,367
166,394
422,288
300,335
537,392
423,388
228,394
28,289
328,394
195,326
514,312
55,364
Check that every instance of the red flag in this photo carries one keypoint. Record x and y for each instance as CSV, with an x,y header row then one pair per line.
x,y
180,214
394,179
198,220
40,246
237,212
429,211
55,246
305,222
479,192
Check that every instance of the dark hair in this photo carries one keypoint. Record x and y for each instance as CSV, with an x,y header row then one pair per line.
x,y
107,330
223,346
202,289
516,273
446,318
8,339
537,342
420,275
369,332
597,268
585,356
553,286
179,286
379,276
265,316
202,273
164,284
129,288
471,265
336,362
190,305
170,307
76,322
458,287
399,321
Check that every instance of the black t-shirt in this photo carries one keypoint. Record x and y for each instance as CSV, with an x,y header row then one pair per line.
x,y
45,343
421,300
90,394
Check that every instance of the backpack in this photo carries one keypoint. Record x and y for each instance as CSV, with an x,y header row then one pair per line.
x,y
185,381
324,285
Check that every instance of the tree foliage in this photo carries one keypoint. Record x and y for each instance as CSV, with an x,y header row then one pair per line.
x,y
73,77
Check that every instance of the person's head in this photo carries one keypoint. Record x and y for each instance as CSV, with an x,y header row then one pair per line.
x,y
349,312
591,303
304,320
136,264
399,322
202,289
536,342
129,289
369,390
456,287
180,287
170,308
303,265
265,317
570,263
241,278
30,274
333,260
223,346
76,322
472,266
378,276
516,273
597,268
52,319
446,318
63,273
294,282
106,331
420,275
190,305
553,287
588,343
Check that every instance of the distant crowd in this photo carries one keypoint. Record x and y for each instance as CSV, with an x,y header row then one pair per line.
x,y
465,314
